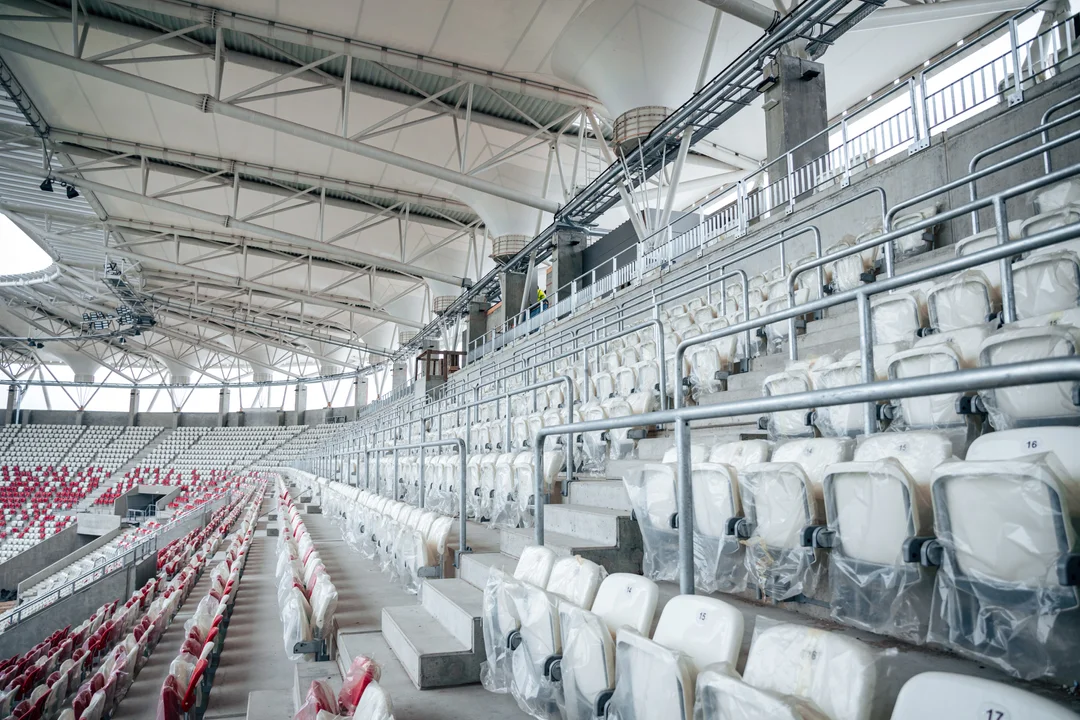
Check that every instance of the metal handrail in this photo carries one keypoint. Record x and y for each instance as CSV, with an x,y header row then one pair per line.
x,y
1032,373
462,508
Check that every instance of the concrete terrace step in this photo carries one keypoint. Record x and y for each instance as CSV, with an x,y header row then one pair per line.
x,y
601,493
476,566
431,655
601,525
625,557
457,606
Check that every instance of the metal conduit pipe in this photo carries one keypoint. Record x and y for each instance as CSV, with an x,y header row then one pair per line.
x,y
207,104
1033,373
748,10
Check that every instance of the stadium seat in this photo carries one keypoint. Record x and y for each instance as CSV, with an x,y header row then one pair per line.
x,y
656,678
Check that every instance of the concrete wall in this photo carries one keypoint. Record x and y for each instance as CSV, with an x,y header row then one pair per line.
x,y
68,560
25,564
76,608
96,524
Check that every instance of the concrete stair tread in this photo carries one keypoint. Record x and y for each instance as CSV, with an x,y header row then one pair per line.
x,y
476,566
557,540
424,634
457,606
430,653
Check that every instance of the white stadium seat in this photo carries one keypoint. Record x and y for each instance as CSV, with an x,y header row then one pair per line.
x,y
947,696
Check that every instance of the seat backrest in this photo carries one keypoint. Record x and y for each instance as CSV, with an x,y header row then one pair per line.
x,y
742,453
1013,444
535,564
814,454
941,695
374,704
919,451
698,453
575,580
706,629
625,600
834,672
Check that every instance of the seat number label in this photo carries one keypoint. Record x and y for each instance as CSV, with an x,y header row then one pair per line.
x,y
990,711
1032,444
702,617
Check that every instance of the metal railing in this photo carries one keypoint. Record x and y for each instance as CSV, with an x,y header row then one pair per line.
x,y
108,567
929,109
1033,373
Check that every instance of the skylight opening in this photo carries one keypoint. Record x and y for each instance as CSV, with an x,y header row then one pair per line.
x,y
19,254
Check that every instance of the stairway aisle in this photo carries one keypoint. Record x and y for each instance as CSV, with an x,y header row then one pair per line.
x,y
253,656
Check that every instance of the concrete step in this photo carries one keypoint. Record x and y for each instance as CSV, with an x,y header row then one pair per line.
x,y
604,493
600,525
625,557
841,324
457,606
828,342
476,566
431,655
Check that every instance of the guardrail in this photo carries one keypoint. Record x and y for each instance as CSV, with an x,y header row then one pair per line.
x,y
925,108
107,567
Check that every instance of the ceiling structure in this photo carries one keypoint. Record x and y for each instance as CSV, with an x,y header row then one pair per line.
x,y
288,186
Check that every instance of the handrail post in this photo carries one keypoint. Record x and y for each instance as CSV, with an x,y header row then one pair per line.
x,y
686,508
866,347
1008,297
1018,86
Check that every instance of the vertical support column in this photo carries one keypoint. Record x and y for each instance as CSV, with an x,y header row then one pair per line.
x,y
566,262
476,322
223,406
360,393
400,376
12,403
301,402
133,406
795,111
512,285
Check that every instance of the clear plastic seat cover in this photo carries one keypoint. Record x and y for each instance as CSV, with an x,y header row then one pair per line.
x,y
941,696
835,673
965,299
1054,335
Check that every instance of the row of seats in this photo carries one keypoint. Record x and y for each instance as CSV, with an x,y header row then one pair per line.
x,y
306,595
360,698
186,689
572,644
406,541
974,553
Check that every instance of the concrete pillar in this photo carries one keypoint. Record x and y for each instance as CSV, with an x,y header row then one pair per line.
x,y
795,110
360,392
133,406
223,406
566,262
301,398
512,285
476,321
12,403
399,375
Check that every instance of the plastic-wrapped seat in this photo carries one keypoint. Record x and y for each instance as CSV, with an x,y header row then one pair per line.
x,y
524,480
898,316
796,378
777,332
500,611
963,300
873,505
916,242
984,240
792,673
1048,279
1053,335
504,510
933,355
573,580
1006,520
779,499
945,696
655,678
587,667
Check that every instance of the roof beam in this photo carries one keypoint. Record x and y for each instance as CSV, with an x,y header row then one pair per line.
x,y
208,104
122,152
230,222
362,50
